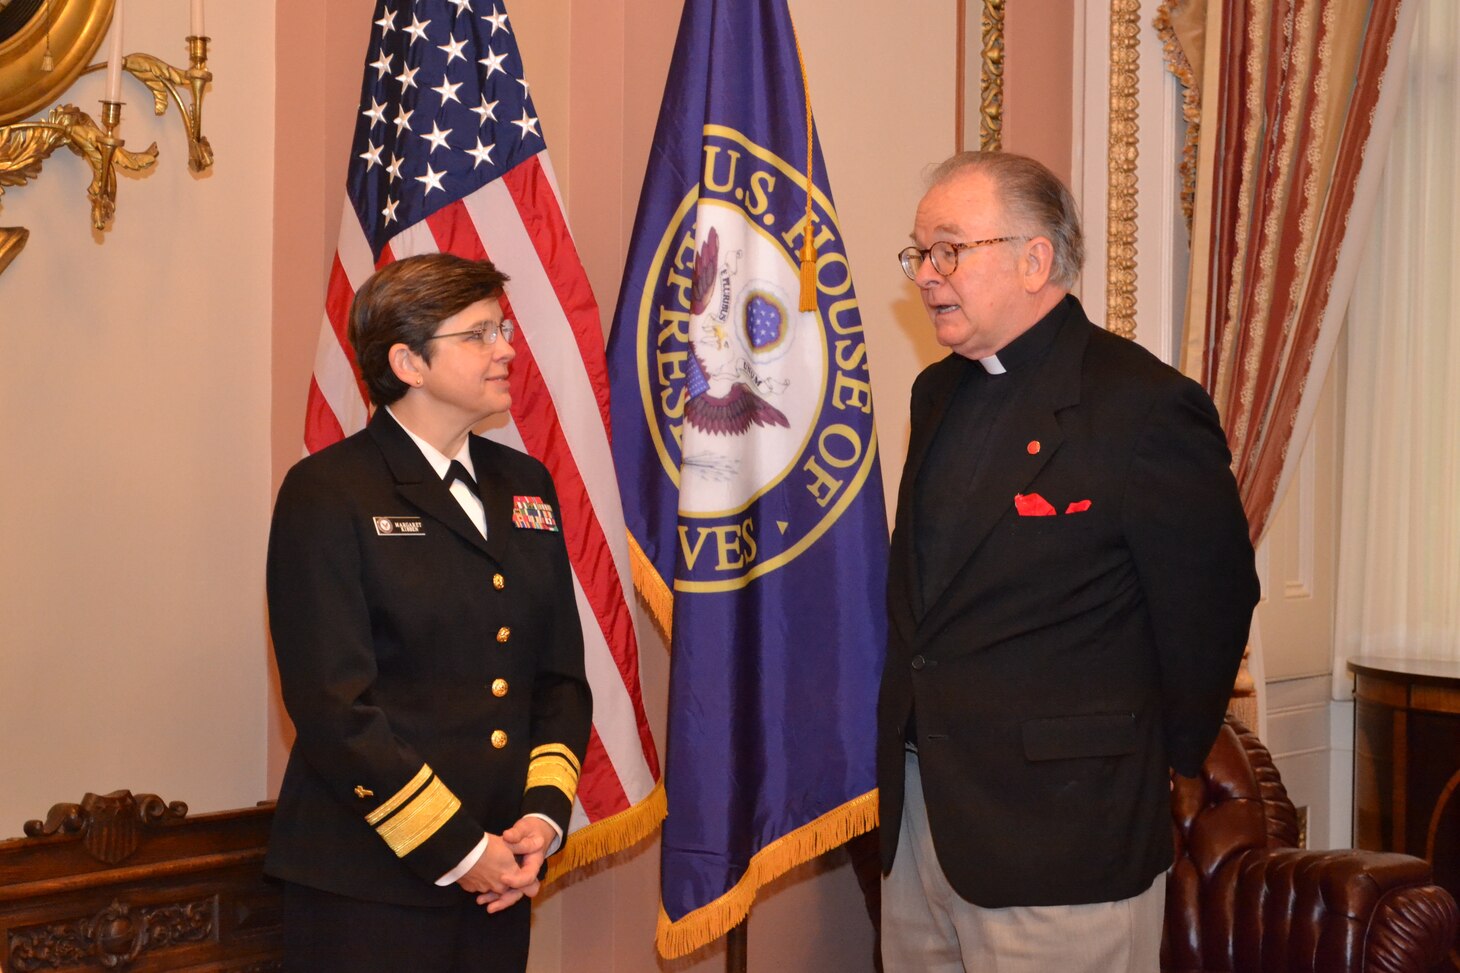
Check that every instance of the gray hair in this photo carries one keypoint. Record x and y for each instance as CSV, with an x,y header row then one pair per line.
x,y
1034,198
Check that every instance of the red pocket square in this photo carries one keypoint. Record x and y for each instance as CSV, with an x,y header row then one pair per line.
x,y
1032,505
1079,506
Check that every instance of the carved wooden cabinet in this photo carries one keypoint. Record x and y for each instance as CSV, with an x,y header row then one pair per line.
x,y
130,883
1407,763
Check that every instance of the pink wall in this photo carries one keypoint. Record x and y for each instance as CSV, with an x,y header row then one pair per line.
x,y
321,48
1039,52
136,439
320,54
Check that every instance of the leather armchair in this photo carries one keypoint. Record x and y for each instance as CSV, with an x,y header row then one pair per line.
x,y
1242,898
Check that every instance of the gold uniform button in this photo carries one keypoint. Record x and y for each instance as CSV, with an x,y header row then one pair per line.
x,y
499,687
499,582
504,633
499,738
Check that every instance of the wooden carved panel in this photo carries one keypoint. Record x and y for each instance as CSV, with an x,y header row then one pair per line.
x,y
114,937
110,826
132,883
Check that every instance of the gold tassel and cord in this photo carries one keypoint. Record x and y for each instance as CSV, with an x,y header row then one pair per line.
x,y
808,241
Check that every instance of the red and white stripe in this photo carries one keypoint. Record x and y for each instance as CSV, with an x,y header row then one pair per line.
x,y
559,415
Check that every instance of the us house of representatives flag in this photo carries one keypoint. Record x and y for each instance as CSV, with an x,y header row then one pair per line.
x,y
747,459
449,156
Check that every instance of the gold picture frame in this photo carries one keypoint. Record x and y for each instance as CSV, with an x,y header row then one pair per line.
x,y
991,75
71,31
1123,154
1122,151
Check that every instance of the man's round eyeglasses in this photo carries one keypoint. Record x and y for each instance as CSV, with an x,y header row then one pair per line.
x,y
487,333
944,255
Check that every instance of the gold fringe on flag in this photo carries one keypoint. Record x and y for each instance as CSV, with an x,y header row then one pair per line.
x,y
656,594
714,919
622,830
808,241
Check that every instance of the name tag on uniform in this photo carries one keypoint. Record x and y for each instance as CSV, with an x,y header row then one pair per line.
x,y
399,527
533,514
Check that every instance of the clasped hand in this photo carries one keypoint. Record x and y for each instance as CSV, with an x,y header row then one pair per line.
x,y
508,868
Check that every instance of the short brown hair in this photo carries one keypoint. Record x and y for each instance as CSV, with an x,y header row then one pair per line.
x,y
1034,197
405,302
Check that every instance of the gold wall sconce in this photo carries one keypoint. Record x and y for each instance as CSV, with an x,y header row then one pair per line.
x,y
45,45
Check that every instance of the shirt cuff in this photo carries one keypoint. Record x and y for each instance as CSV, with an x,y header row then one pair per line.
x,y
557,841
472,857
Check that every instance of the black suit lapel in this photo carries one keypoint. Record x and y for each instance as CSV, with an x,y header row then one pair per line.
x,y
418,483
1007,466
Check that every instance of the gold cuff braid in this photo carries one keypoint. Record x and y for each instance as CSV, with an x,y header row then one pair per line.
x,y
388,808
414,813
554,765
419,819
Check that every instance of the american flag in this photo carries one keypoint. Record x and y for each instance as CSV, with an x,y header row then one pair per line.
x,y
449,156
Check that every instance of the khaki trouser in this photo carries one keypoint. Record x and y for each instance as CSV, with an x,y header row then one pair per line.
x,y
928,928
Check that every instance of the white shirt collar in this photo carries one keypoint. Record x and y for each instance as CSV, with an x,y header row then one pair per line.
x,y
991,364
439,461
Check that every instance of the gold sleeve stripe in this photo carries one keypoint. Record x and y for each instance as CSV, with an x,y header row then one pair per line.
x,y
560,750
420,819
388,808
552,770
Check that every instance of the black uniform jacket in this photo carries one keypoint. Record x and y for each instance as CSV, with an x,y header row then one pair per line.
x,y
435,679
1073,657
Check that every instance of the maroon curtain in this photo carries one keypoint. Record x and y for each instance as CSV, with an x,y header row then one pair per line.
x,y
1286,117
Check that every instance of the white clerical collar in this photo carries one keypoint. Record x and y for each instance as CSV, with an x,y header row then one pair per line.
x,y
439,461
991,364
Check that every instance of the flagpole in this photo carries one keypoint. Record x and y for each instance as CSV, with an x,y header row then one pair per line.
x,y
737,947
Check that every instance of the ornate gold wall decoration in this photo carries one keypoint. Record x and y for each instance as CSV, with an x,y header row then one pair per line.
x,y
991,77
25,145
40,56
1177,24
1124,150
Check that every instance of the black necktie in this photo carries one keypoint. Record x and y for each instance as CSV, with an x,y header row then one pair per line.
x,y
458,472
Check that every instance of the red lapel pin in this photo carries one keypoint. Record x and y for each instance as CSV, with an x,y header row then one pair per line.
x,y
1033,447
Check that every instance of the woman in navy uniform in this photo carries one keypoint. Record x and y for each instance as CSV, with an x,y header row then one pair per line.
x,y
429,650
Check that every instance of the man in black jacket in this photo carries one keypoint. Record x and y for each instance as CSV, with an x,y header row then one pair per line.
x,y
1070,590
